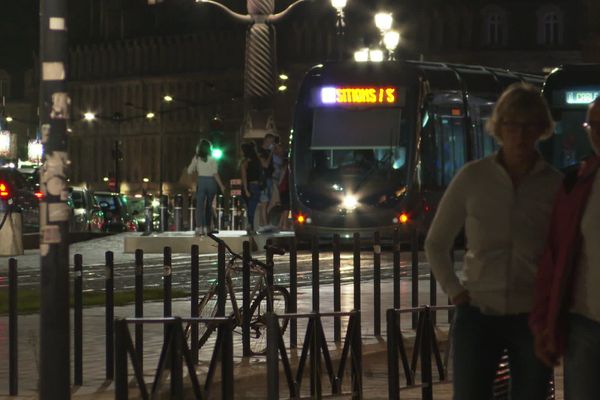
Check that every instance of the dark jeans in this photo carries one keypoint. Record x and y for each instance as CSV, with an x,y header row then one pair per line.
x,y
479,341
252,202
206,189
582,359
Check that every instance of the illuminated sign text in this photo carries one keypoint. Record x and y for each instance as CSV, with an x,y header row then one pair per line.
x,y
581,96
359,95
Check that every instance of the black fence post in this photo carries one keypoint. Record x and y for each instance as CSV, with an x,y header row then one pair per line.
x,y
164,213
451,310
13,331
396,265
269,262
356,271
272,357
221,289
392,354
109,314
246,299
377,284
139,306
121,379
293,292
426,378
227,382
414,250
178,212
167,281
176,358
337,294
148,215
78,320
357,341
195,277
316,299
432,295
315,358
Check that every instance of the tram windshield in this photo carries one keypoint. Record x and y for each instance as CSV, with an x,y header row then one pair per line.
x,y
362,152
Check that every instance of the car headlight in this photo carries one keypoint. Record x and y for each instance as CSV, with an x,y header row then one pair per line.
x,y
349,202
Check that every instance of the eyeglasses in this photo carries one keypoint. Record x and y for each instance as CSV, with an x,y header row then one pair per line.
x,y
595,125
531,127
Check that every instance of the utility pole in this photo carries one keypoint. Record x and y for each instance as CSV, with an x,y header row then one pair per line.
x,y
54,212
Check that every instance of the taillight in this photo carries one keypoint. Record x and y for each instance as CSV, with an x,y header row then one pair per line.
x,y
403,218
300,219
4,192
39,195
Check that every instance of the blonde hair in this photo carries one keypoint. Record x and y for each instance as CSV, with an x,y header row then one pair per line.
x,y
521,99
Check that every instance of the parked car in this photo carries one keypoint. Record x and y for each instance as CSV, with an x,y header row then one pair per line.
x,y
86,215
13,186
117,217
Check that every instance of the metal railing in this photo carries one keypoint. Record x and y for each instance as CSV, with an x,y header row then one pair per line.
x,y
315,348
175,352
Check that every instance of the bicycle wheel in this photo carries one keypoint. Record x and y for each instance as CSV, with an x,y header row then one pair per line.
x,y
258,322
207,308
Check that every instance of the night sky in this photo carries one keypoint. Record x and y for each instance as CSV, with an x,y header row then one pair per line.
x,y
19,34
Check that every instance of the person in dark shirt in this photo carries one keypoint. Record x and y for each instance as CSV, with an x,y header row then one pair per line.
x,y
265,155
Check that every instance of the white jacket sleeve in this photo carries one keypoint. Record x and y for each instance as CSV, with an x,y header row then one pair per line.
x,y
192,167
447,223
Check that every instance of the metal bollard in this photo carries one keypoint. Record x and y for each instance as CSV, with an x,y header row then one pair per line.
x,y
178,212
78,321
13,339
148,215
220,211
192,212
109,315
164,213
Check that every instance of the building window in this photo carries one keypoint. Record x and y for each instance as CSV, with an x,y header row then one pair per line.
x,y
550,26
495,27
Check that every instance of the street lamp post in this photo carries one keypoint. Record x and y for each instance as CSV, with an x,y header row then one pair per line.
x,y
340,24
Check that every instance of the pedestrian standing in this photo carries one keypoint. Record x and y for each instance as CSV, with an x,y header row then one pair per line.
x,y
207,183
265,154
503,202
250,169
566,315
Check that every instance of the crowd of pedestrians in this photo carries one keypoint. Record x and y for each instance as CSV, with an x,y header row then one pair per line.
x,y
532,265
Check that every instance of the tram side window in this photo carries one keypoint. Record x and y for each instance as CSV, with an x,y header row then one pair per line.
x,y
442,151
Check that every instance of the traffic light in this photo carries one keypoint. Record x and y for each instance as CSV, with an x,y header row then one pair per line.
x,y
217,140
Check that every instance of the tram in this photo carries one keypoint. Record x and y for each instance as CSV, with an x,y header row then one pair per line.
x,y
569,90
374,145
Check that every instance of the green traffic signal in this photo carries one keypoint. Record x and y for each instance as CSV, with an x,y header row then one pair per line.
x,y
217,154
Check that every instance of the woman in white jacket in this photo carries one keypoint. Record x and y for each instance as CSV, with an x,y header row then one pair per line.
x,y
205,167
504,203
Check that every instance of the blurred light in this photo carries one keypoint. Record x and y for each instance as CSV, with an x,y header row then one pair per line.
x,y
349,202
155,203
403,218
282,88
39,195
35,150
150,115
376,55
89,116
338,4
361,55
391,40
216,153
4,193
168,98
283,77
105,179
383,21
5,141
9,119
145,180
138,196
309,220
69,130
300,218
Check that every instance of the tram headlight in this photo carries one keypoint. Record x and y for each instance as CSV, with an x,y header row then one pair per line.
x,y
349,202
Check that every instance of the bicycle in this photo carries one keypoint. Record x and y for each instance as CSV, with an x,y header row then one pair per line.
x,y
264,297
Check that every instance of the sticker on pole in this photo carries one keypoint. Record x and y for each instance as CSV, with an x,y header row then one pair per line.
x,y
50,234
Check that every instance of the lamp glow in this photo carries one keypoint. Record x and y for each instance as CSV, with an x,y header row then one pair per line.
x,y
361,55
168,98
9,119
383,21
89,116
349,202
150,115
376,55
391,40
338,4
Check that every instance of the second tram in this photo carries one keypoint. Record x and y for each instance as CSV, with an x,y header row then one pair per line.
x,y
374,145
569,90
